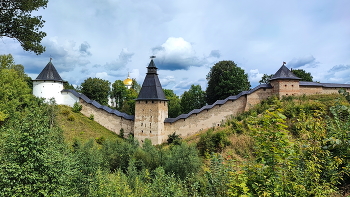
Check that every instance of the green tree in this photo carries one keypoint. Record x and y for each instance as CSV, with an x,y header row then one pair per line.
x,y
136,86
33,158
129,102
225,79
265,79
18,23
8,62
192,99
96,89
119,93
67,85
174,107
305,76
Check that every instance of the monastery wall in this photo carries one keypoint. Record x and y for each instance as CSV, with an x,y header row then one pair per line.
x,y
216,115
108,120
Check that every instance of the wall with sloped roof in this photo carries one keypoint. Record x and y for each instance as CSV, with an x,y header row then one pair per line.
x,y
107,119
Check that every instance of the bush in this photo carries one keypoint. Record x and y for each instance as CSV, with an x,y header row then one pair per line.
x,y
100,140
71,117
173,138
92,117
121,133
77,107
210,142
65,112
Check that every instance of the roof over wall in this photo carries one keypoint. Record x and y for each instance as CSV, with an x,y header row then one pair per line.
x,y
218,102
49,73
325,85
98,105
284,73
151,88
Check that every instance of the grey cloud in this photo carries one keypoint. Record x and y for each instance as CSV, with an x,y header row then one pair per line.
x,y
215,53
155,50
84,49
338,74
124,58
179,63
308,61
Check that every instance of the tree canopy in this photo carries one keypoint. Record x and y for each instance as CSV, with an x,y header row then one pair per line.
x,y
305,76
225,79
192,99
118,93
17,22
96,89
265,79
174,103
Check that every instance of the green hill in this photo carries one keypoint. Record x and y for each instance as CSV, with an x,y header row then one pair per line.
x,y
78,127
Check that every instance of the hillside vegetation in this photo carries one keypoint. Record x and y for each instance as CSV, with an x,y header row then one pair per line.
x,y
297,146
77,127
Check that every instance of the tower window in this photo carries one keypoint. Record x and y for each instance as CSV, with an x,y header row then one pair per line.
x,y
152,101
142,131
150,131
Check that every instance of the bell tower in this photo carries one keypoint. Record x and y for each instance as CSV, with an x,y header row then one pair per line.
x,y
151,108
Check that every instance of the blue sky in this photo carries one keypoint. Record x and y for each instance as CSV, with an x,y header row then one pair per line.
x,y
109,38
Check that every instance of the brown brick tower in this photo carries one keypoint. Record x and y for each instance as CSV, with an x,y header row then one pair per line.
x,y
151,109
285,83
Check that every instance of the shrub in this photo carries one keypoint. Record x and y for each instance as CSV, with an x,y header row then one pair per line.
x,y
100,140
71,117
77,107
173,138
121,133
65,112
92,117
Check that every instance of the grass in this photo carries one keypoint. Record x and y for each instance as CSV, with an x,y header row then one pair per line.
x,y
78,127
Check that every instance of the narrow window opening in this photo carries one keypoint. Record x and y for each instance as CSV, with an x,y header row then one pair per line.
x,y
142,131
150,131
152,101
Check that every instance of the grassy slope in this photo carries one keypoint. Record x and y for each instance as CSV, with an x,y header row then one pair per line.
x,y
81,128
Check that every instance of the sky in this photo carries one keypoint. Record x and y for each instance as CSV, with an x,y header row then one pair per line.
x,y
110,38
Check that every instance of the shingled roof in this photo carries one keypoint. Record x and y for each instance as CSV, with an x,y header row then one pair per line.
x,y
49,73
284,73
151,88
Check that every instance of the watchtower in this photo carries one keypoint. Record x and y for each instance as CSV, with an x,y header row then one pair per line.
x,y
151,108
285,83
48,84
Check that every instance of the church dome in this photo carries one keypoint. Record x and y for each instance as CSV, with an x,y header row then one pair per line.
x,y
128,81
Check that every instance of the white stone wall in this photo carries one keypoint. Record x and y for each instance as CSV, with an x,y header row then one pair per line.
x,y
48,89
68,99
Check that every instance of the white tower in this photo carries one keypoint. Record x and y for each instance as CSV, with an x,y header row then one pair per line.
x,y
48,84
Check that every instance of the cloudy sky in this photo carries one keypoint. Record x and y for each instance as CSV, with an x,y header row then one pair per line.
x,y
109,38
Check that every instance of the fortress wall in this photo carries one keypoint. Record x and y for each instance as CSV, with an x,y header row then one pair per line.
x,y
257,96
206,118
108,120
309,90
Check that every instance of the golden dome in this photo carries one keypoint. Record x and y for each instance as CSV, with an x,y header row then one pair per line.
x,y
128,81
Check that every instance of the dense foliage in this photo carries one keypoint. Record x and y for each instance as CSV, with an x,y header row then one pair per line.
x,y
96,89
192,99
305,76
225,79
17,22
174,103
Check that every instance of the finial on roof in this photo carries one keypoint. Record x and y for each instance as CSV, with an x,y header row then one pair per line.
x,y
284,63
50,58
153,56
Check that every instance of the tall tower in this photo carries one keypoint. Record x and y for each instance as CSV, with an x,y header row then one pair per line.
x,y
151,109
285,83
48,84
